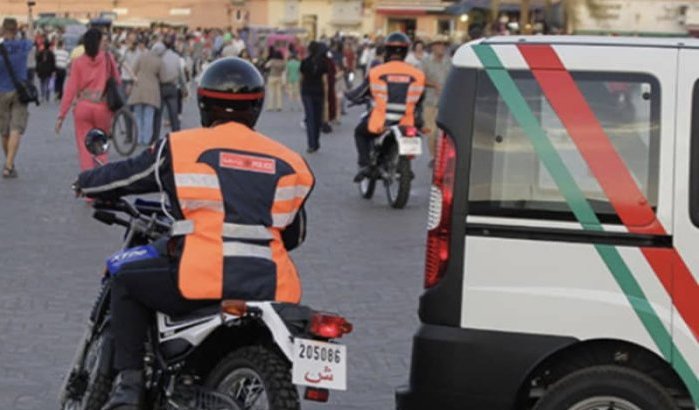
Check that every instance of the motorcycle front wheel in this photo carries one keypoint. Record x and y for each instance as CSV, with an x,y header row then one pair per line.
x,y
367,187
90,385
256,378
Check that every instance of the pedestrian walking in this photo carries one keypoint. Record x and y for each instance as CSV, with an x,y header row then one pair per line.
x,y
86,85
293,82
417,55
62,61
31,63
145,95
129,55
13,113
171,81
45,67
275,67
436,68
314,71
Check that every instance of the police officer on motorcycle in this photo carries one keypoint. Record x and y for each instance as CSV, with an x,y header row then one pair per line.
x,y
395,88
236,199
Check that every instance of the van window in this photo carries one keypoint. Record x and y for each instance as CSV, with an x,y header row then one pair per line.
x,y
507,177
694,158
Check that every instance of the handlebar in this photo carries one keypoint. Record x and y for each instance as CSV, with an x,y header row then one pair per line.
x,y
144,216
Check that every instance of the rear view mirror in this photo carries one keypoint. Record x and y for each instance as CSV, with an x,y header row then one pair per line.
x,y
96,142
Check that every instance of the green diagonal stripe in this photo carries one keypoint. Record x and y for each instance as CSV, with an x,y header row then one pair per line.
x,y
584,213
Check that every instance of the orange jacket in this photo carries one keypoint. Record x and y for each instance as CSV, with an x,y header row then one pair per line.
x,y
238,190
396,88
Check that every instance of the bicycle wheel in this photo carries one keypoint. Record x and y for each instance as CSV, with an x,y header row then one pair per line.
x,y
124,132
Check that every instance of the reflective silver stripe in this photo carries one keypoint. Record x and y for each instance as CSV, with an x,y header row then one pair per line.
x,y
379,87
247,250
192,204
238,231
196,181
124,182
416,88
393,117
290,192
413,98
396,107
282,220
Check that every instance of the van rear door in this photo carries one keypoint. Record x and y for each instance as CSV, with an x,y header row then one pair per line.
x,y
686,221
571,178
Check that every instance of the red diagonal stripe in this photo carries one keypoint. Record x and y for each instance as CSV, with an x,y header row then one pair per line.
x,y
613,176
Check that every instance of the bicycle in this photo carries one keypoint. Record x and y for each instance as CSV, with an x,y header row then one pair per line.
x,y
124,131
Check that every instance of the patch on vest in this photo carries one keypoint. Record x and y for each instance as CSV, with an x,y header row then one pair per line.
x,y
395,78
247,163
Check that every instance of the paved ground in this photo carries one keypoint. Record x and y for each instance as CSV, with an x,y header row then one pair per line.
x,y
362,259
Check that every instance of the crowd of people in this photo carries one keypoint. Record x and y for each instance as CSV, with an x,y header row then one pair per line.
x,y
155,68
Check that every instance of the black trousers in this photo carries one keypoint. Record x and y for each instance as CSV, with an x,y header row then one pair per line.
x,y
313,105
60,80
168,102
138,291
362,138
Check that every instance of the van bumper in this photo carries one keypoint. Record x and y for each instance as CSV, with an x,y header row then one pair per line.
x,y
468,369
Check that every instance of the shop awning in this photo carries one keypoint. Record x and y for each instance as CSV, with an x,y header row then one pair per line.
x,y
464,6
409,9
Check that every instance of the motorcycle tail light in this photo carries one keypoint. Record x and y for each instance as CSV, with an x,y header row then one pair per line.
x,y
328,326
410,132
439,221
316,394
234,307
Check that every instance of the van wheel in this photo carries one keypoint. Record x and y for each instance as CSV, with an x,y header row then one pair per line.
x,y
606,388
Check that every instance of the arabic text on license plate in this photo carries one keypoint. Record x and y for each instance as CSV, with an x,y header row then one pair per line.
x,y
320,364
409,146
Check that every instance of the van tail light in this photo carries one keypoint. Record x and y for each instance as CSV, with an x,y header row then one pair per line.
x,y
329,326
439,221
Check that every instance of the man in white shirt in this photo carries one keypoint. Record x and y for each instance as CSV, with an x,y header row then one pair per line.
x,y
129,56
62,60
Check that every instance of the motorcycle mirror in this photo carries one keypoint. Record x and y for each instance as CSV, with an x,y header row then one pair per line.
x,y
96,142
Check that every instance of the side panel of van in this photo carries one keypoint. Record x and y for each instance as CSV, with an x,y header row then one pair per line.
x,y
572,229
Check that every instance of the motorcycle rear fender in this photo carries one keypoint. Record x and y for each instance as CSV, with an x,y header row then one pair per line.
x,y
196,330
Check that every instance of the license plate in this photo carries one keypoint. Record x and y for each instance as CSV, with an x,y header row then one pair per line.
x,y
409,146
320,364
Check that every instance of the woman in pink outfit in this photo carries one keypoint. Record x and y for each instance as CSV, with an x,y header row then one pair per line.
x,y
86,85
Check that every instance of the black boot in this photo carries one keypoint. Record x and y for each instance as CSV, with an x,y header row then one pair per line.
x,y
127,393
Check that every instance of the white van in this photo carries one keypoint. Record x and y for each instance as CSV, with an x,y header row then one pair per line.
x,y
563,244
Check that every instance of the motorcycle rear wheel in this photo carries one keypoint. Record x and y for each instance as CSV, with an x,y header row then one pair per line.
x,y
257,378
399,181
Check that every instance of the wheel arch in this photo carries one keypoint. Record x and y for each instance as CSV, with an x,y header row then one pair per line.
x,y
595,352
227,339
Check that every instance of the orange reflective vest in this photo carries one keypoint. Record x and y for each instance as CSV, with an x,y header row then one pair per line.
x,y
238,190
396,88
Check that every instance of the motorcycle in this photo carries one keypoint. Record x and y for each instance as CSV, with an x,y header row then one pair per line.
x,y
389,161
236,355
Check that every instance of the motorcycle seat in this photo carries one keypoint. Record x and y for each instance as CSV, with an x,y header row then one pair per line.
x,y
196,314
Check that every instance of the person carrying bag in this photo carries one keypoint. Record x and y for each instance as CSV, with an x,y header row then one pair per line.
x,y
26,90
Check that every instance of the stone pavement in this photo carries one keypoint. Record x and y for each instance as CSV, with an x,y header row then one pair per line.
x,y
362,259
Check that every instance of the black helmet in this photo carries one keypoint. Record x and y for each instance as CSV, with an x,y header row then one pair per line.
x,y
397,45
231,89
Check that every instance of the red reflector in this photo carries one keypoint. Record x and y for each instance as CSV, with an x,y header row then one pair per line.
x,y
328,326
315,394
438,236
410,131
